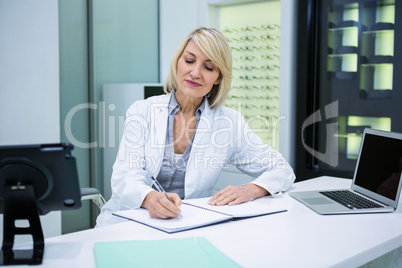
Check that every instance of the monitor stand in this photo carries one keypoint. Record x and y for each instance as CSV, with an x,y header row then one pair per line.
x,y
20,204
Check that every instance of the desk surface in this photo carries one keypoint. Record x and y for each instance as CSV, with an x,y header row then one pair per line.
x,y
299,237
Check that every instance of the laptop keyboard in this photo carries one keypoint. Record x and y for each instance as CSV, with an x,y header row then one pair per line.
x,y
350,199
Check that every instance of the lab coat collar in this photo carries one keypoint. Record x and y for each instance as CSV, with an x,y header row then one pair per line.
x,y
161,116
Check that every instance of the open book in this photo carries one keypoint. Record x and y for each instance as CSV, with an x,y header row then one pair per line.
x,y
197,213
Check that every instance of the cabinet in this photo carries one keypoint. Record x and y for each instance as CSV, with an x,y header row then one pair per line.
x,y
351,67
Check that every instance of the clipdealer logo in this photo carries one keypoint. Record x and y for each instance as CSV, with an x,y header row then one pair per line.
x,y
330,156
111,128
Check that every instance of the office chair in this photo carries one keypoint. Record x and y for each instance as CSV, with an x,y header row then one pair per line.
x,y
94,195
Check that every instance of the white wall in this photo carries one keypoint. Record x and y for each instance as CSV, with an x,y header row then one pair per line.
x,y
287,100
177,19
29,79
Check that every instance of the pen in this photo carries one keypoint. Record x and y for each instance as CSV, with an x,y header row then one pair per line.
x,y
160,188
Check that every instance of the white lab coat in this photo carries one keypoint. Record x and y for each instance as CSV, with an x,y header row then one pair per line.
x,y
222,137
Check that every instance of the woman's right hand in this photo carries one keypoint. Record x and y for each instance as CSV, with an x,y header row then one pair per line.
x,y
160,207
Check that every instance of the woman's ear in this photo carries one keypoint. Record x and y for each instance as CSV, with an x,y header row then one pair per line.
x,y
218,80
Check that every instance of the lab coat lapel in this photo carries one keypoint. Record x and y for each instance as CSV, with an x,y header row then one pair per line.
x,y
204,126
201,141
159,128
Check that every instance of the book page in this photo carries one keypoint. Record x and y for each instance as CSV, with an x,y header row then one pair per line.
x,y
260,206
190,217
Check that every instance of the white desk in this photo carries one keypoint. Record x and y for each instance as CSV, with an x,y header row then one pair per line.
x,y
297,238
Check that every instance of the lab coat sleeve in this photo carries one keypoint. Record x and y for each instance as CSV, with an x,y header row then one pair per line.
x,y
266,166
130,183
129,180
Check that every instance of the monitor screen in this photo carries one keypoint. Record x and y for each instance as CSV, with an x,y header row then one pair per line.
x,y
153,90
379,166
50,169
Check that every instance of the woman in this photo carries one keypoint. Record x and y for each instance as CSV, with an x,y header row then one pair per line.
x,y
184,138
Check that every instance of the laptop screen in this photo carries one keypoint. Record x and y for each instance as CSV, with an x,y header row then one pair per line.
x,y
380,164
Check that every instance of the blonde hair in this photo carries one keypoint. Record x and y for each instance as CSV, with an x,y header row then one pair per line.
x,y
215,46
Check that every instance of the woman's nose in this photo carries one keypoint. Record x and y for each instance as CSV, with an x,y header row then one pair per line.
x,y
195,72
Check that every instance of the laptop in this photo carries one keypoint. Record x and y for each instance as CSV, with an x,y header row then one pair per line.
x,y
377,179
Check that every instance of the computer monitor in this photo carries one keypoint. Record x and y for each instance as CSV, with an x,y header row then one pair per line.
x,y
34,180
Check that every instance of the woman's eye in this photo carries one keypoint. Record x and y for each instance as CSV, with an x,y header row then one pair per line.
x,y
209,68
189,61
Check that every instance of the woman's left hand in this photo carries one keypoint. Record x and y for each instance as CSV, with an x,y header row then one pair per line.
x,y
233,195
